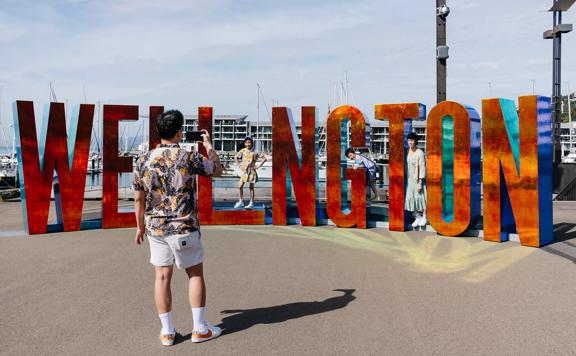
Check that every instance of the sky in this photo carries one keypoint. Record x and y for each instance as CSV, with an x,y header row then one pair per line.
x,y
185,54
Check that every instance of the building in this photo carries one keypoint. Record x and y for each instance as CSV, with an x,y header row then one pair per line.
x,y
229,132
380,137
568,143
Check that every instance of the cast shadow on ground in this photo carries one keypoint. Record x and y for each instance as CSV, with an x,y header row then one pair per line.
x,y
242,319
562,245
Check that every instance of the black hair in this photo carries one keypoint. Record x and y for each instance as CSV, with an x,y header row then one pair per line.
x,y
248,139
412,136
348,151
169,123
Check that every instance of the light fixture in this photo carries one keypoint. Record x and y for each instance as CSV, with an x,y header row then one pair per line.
x,y
443,11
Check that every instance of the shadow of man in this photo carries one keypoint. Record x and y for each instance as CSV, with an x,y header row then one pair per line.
x,y
244,319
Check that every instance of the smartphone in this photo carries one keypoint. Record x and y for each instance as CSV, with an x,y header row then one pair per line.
x,y
193,136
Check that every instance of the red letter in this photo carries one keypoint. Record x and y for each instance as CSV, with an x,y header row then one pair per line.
x,y
112,165
154,138
36,182
302,164
335,165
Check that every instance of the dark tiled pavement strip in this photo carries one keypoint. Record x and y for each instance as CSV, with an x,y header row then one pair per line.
x,y
293,290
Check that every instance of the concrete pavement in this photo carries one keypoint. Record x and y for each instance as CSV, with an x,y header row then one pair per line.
x,y
292,290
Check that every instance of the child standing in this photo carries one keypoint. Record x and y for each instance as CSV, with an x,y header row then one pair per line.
x,y
247,159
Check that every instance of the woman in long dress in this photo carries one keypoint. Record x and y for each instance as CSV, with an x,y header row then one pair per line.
x,y
416,188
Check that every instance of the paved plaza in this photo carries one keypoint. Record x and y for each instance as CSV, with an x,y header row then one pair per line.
x,y
292,291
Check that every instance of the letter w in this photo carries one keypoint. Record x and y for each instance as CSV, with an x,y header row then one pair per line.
x,y
37,163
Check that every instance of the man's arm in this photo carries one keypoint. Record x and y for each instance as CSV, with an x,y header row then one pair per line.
x,y
139,201
139,207
210,166
217,166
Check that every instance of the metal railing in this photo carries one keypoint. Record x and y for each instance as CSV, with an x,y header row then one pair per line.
x,y
568,192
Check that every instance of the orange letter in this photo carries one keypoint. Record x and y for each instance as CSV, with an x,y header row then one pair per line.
x,y
336,191
517,150
453,140
400,117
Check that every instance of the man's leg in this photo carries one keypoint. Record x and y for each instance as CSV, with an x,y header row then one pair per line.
x,y
196,286
162,290
197,295
163,297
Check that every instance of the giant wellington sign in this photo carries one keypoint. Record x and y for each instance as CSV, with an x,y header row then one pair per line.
x,y
514,164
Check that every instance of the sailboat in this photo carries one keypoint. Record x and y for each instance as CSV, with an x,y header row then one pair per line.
x,y
8,160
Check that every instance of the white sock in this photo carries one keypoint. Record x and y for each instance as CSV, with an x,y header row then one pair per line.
x,y
198,318
166,320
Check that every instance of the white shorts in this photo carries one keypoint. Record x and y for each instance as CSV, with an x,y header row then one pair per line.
x,y
185,249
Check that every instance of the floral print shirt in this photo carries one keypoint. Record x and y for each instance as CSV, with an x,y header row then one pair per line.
x,y
167,174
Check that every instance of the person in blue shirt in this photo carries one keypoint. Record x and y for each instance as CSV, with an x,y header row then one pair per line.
x,y
368,165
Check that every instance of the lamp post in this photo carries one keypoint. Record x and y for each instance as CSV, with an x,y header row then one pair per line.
x,y
558,28
442,12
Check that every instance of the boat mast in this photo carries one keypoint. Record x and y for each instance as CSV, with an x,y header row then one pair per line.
x,y
570,150
258,115
346,85
1,123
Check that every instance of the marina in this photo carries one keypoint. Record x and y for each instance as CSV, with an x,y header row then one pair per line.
x,y
397,178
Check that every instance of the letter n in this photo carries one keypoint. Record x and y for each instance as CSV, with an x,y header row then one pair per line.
x,y
517,170
300,164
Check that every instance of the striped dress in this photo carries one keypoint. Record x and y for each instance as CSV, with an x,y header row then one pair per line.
x,y
416,169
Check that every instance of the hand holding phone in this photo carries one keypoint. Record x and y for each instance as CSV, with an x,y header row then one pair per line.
x,y
193,136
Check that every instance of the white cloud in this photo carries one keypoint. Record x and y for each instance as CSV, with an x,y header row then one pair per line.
x,y
185,53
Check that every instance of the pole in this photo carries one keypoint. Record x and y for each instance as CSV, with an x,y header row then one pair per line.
x,y
346,84
258,117
556,86
569,120
440,63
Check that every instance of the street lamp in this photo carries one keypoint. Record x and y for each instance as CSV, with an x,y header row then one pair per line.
x,y
558,28
442,12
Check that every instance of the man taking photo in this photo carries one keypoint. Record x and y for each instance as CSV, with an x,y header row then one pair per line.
x,y
166,207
